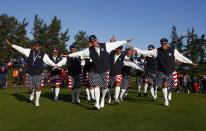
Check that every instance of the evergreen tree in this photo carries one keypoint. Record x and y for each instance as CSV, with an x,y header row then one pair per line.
x,y
15,31
177,42
81,40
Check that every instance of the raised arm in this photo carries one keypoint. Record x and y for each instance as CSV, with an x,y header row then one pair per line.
x,y
82,54
150,53
133,65
48,61
182,58
20,49
113,45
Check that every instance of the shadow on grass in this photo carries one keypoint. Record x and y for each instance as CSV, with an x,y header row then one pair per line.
x,y
66,97
21,97
143,100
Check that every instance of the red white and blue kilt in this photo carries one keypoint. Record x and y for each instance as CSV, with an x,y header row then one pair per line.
x,y
35,81
161,78
100,80
125,82
114,80
86,79
55,80
74,81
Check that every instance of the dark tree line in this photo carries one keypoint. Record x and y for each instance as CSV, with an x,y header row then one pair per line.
x,y
51,35
192,46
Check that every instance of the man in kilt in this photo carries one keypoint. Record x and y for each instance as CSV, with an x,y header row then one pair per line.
x,y
35,60
74,73
99,53
55,80
166,65
140,76
150,73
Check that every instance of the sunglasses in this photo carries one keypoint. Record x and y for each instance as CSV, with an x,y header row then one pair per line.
x,y
164,43
37,45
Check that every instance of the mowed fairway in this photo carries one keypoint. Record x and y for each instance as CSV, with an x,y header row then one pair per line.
x,y
185,113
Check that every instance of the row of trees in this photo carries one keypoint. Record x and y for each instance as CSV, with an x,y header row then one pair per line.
x,y
51,35
192,46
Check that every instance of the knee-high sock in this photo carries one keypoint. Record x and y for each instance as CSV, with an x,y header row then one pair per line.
x,y
155,91
97,95
38,93
104,92
122,92
164,91
109,93
92,93
73,94
88,93
139,88
77,93
117,90
32,95
169,95
57,92
152,91
145,88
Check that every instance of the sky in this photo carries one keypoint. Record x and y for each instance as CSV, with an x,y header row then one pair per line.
x,y
145,20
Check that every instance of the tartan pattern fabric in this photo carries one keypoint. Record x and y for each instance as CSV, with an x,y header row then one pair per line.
x,y
114,80
161,77
35,81
125,82
55,80
86,79
74,81
151,78
100,80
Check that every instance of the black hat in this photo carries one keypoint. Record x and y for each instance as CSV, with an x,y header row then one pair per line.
x,y
120,47
92,38
72,46
151,47
163,40
37,42
54,49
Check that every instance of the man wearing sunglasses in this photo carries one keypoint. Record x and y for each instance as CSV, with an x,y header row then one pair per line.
x,y
55,75
99,53
35,59
166,65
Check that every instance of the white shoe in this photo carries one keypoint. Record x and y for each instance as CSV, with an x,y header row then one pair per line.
x,y
166,103
121,99
31,98
96,107
117,101
102,104
109,100
73,100
155,97
37,103
78,101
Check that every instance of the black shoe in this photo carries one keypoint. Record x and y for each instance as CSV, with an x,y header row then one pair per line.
x,y
145,94
95,108
139,94
55,98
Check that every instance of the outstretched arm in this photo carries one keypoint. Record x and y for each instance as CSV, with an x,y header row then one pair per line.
x,y
48,61
182,58
20,49
62,62
113,45
133,65
149,53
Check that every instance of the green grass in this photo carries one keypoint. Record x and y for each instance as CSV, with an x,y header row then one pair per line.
x,y
185,113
